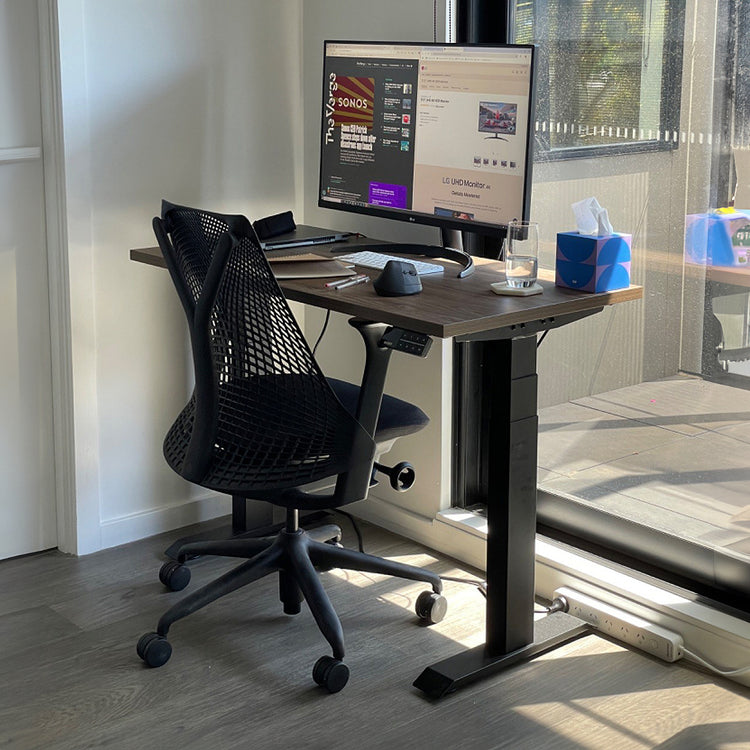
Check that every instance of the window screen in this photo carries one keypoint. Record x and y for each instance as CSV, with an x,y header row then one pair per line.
x,y
608,73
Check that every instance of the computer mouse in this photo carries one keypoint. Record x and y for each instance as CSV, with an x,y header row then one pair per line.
x,y
398,278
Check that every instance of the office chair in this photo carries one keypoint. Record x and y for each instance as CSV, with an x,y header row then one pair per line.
x,y
263,422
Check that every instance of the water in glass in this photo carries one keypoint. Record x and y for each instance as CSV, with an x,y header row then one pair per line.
x,y
520,271
521,254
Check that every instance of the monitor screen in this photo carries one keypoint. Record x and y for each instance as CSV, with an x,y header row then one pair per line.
x,y
429,133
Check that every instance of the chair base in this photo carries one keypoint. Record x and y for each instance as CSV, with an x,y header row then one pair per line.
x,y
294,554
238,528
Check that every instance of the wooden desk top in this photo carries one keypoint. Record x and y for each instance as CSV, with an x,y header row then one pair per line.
x,y
736,276
447,306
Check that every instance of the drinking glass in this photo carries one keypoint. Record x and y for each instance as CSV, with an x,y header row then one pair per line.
x,y
522,250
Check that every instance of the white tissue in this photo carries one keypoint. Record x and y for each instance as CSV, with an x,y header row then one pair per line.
x,y
591,218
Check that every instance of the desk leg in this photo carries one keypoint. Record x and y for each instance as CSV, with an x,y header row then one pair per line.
x,y
509,437
713,334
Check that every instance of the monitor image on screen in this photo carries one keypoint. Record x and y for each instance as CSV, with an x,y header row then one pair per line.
x,y
498,118
437,134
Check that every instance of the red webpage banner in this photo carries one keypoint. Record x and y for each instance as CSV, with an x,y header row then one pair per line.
x,y
353,100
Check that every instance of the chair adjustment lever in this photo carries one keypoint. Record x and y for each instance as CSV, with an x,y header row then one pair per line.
x,y
401,476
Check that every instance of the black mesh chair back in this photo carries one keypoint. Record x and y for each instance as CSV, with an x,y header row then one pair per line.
x,y
262,418
263,422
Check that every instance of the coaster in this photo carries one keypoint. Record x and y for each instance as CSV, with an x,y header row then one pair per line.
x,y
501,287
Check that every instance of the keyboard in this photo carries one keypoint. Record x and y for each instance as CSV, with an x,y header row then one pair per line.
x,y
371,259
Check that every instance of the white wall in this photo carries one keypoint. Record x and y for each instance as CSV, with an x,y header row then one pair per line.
x,y
187,100
205,104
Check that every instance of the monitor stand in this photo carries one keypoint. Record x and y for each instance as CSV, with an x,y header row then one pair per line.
x,y
480,245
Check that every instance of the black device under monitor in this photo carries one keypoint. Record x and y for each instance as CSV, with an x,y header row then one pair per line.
x,y
280,231
271,226
302,236
400,138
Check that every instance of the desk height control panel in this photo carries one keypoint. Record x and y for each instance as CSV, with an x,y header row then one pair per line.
x,y
408,342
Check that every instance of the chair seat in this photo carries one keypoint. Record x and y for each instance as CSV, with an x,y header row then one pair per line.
x,y
397,418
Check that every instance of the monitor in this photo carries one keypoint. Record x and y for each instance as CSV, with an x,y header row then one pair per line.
x,y
436,134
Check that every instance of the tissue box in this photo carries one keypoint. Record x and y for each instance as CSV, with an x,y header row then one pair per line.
x,y
593,264
718,239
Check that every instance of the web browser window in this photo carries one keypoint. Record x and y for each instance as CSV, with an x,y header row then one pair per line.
x,y
440,131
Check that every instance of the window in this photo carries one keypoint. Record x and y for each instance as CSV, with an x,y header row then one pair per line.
x,y
645,410
607,80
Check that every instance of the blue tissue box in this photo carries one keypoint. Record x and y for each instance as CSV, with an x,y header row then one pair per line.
x,y
593,264
720,238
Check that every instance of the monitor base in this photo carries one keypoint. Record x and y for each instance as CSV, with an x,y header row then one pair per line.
x,y
429,251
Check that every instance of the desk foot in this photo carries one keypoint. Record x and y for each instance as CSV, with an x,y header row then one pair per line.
x,y
450,674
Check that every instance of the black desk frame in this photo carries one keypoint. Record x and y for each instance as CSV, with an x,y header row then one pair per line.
x,y
508,438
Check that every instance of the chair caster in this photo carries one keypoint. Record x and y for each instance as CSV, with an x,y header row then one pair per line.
x,y
431,607
154,649
174,575
330,673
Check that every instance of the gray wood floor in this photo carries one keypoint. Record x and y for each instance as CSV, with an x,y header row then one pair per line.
x,y
672,454
239,676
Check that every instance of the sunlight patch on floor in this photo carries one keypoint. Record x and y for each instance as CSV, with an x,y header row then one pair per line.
x,y
637,719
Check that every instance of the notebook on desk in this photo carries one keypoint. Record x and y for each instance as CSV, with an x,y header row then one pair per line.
x,y
308,266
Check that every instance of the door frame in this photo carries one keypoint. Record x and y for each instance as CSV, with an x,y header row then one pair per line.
x,y
58,277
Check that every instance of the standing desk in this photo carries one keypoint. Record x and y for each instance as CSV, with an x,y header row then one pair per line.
x,y
467,310
719,281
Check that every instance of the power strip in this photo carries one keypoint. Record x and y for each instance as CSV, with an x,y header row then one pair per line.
x,y
622,625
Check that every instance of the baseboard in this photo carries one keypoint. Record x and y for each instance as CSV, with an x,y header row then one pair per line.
x,y
134,526
454,540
